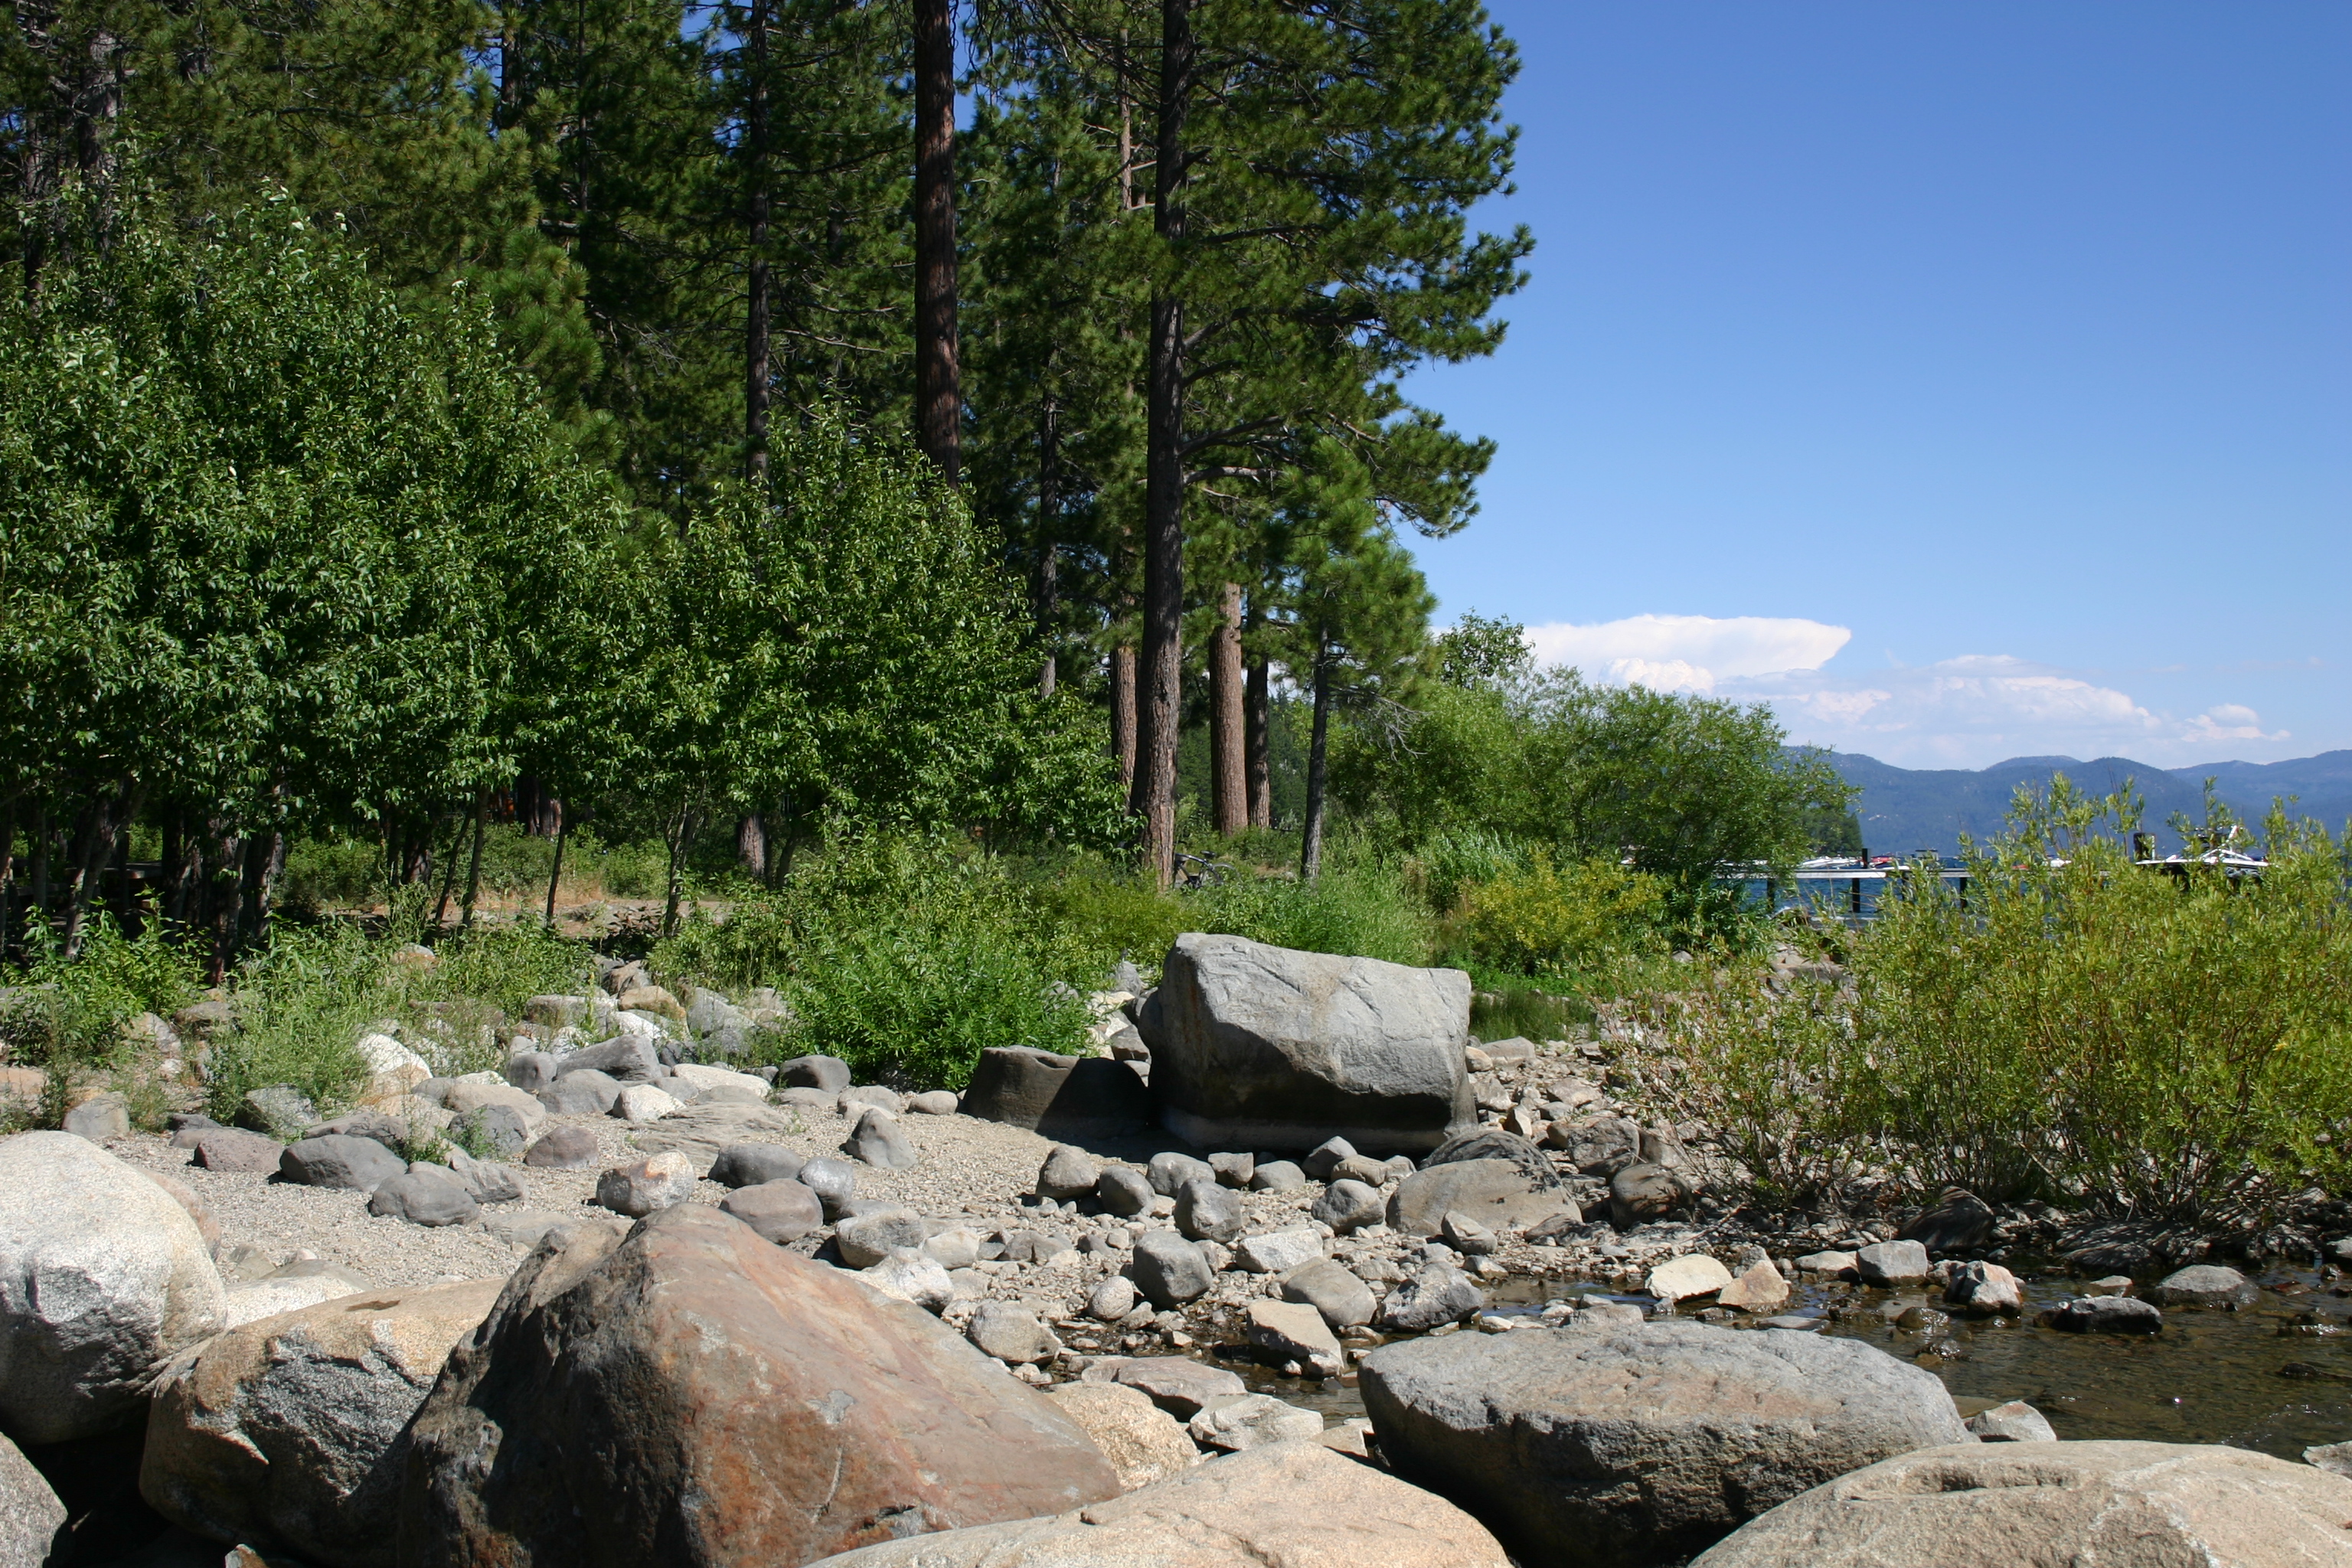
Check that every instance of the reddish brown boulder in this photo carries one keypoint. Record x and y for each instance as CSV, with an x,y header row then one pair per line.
x,y
698,1396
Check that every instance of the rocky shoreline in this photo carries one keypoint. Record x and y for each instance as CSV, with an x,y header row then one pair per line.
x,y
1003,1310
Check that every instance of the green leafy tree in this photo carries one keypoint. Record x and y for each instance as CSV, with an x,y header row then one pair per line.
x,y
838,644
278,546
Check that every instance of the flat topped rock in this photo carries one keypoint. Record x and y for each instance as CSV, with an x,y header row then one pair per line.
x,y
2204,1285
1494,1193
1633,1445
700,1131
1267,1047
2055,1505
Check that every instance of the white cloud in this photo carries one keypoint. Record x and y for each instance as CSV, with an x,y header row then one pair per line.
x,y
2232,721
1976,710
1688,653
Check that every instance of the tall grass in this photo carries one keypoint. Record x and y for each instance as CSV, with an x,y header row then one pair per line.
x,y
304,1002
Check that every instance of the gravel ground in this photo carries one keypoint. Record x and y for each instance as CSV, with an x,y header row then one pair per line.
x,y
970,1171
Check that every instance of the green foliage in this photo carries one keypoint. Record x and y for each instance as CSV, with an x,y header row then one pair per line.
x,y
2084,1028
1359,905
904,957
1111,909
1483,653
1522,1012
302,1005
69,1012
271,539
1451,860
330,872
1685,787
1553,922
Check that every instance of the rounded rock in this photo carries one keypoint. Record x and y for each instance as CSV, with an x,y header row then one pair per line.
x,y
656,1182
1277,1176
755,1165
1728,1425
1208,1212
781,1211
2132,1505
835,1183
1170,1270
1123,1191
1347,1206
417,1196
1068,1174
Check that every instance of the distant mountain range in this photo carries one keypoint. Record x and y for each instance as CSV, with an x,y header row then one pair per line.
x,y
1908,809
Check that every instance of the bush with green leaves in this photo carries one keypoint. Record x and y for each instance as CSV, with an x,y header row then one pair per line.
x,y
1359,905
905,957
2078,1027
303,1003
68,1016
1554,922
1684,787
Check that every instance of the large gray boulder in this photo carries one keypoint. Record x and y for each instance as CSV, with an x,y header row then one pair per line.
x,y
1536,1433
339,1160
1056,1095
697,1395
30,1513
290,1432
1495,1192
1264,1047
2056,1505
1298,1504
102,1275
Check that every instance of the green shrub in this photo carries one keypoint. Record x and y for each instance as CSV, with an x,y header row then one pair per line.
x,y
1358,905
1557,922
2081,1027
906,958
302,1004
70,1012
1522,1012
638,869
1778,1070
325,873
1460,857
1113,910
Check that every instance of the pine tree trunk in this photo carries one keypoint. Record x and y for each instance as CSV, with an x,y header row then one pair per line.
x,y
756,382
1160,709
938,396
1257,739
751,843
1229,788
1123,713
1310,849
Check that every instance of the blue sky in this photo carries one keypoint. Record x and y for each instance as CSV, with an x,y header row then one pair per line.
x,y
1970,380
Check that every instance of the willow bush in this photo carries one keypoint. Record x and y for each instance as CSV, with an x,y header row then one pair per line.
x,y
2075,1025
